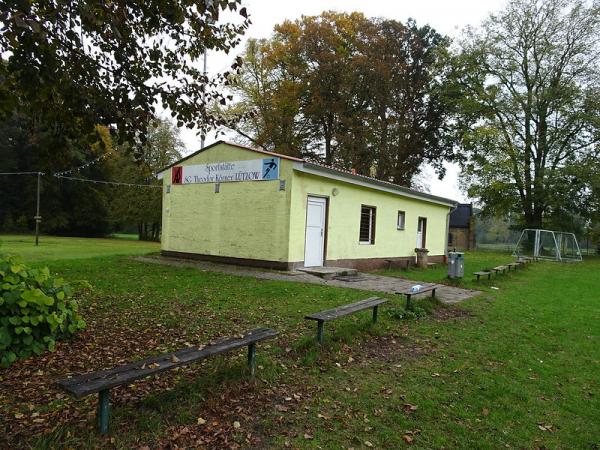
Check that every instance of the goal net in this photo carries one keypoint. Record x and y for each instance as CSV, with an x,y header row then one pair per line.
x,y
546,244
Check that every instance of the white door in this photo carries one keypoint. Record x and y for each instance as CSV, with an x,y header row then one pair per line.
x,y
315,231
420,232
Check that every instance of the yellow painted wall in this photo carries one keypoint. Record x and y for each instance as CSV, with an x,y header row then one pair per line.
x,y
344,221
244,220
255,220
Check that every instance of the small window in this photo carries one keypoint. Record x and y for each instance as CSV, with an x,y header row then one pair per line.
x,y
401,220
367,225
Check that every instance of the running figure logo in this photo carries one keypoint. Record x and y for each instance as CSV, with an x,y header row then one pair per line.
x,y
177,175
270,169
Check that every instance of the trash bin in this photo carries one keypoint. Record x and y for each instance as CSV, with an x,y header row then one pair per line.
x,y
456,265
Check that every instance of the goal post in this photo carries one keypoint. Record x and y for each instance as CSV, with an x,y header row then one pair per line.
x,y
548,244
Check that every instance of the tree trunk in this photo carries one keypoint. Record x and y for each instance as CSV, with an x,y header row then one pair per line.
x,y
328,135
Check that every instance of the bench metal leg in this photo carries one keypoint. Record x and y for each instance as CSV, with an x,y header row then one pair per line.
x,y
375,313
408,306
432,293
103,410
252,359
320,332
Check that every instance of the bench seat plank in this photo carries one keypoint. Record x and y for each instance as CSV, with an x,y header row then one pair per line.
x,y
483,273
409,293
427,288
344,310
94,382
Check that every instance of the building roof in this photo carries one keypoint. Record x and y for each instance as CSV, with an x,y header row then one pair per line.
x,y
461,216
331,172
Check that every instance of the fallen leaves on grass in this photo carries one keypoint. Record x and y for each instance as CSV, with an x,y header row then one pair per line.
x,y
32,405
409,409
544,427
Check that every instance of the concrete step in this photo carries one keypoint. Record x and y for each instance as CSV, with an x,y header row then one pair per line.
x,y
328,273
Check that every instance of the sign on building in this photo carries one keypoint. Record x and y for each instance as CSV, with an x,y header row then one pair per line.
x,y
231,171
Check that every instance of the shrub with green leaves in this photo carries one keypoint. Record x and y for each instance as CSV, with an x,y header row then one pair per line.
x,y
406,314
36,309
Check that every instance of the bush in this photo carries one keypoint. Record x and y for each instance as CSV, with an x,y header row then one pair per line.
x,y
400,313
35,310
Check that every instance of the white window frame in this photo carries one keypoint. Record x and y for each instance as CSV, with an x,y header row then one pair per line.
x,y
372,224
403,225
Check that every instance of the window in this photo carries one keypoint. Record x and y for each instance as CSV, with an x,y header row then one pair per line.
x,y
401,219
367,225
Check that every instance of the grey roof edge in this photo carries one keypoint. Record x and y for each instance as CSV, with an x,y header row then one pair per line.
x,y
373,183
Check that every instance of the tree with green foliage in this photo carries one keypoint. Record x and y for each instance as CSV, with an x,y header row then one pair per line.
x,y
67,207
141,206
268,102
406,116
324,51
70,67
347,90
528,82
77,64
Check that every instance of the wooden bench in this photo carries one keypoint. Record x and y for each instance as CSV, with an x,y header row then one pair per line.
x,y
409,293
335,313
102,381
512,265
483,273
498,269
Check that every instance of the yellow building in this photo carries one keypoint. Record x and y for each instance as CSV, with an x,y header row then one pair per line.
x,y
235,204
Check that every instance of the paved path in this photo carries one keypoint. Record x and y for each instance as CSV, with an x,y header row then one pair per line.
x,y
367,282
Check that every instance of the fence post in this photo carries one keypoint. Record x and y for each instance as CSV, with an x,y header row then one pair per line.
x,y
37,217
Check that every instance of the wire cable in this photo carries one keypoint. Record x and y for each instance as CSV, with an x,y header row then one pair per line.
x,y
22,173
113,183
85,165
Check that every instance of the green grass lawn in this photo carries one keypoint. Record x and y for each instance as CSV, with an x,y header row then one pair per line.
x,y
130,236
516,367
54,247
474,261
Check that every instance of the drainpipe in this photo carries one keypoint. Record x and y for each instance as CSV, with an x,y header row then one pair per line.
x,y
448,229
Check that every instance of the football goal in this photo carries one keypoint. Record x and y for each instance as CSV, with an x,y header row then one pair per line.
x,y
546,244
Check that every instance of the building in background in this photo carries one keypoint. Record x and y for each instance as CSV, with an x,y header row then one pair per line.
x,y
461,234
239,205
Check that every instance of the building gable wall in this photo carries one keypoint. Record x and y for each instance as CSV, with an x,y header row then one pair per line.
x,y
247,219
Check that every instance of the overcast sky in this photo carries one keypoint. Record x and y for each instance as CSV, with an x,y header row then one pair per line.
x,y
446,16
